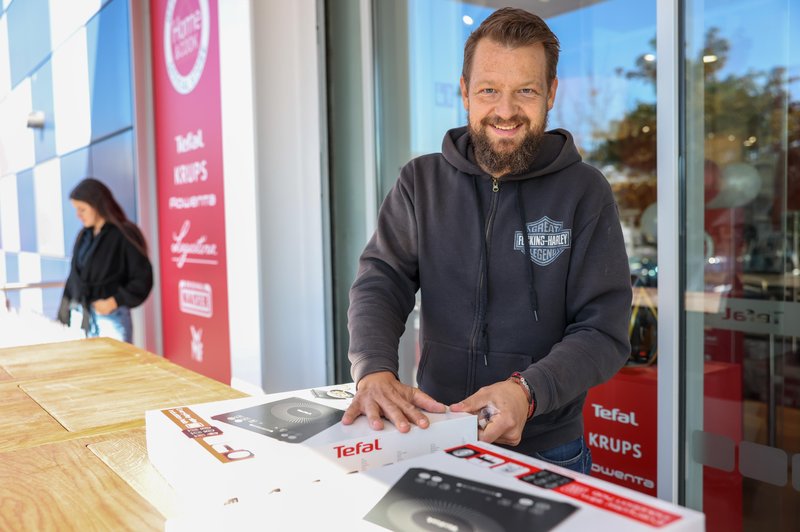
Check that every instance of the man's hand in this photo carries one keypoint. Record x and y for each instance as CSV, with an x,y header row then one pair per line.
x,y
512,411
105,306
382,394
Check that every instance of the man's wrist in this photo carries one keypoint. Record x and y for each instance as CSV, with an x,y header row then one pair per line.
x,y
381,373
527,389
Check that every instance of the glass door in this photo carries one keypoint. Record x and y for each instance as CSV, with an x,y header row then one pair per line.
x,y
742,221
607,100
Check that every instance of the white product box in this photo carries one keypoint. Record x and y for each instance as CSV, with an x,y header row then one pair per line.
x,y
470,487
227,451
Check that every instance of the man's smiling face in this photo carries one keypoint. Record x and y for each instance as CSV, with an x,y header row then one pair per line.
x,y
507,100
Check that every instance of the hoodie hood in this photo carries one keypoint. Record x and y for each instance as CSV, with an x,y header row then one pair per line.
x,y
556,152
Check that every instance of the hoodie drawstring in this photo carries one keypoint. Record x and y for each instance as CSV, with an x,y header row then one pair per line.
x,y
532,295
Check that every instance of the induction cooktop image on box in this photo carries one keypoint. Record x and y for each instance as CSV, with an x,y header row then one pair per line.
x,y
291,420
240,449
424,500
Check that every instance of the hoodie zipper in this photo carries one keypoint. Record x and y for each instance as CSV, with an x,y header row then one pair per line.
x,y
484,267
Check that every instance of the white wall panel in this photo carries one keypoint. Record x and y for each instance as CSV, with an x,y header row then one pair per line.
x,y
16,139
49,220
290,129
66,17
71,94
3,279
241,187
9,213
5,66
30,271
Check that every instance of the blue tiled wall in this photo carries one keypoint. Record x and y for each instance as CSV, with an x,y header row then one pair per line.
x,y
108,154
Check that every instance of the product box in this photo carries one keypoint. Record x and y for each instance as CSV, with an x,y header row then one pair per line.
x,y
226,451
469,487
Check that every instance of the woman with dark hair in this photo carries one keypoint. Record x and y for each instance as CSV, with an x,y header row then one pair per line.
x,y
110,271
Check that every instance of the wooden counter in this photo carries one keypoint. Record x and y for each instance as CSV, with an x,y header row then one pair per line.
x,y
72,452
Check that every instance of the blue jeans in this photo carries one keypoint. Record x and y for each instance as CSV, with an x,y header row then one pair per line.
x,y
574,455
116,325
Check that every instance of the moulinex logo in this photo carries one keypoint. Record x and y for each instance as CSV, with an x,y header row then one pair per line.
x,y
191,252
187,29
359,448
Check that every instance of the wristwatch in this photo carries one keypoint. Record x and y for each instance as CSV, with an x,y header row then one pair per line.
x,y
526,387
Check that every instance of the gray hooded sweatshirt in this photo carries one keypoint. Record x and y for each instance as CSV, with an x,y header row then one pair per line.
x,y
555,308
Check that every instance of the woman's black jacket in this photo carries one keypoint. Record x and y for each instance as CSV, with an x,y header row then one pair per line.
x,y
114,267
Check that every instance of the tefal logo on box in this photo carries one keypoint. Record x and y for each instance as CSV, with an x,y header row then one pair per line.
x,y
615,414
359,448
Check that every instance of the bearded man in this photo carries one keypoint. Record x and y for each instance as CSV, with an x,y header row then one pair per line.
x,y
517,249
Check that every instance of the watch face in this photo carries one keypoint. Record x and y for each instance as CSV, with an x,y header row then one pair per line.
x,y
290,420
425,499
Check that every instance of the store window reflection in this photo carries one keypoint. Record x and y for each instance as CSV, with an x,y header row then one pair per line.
x,y
743,226
607,99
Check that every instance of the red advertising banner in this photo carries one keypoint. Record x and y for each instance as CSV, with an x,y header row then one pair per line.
x,y
191,206
621,429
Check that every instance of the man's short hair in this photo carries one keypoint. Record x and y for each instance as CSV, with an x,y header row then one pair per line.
x,y
514,28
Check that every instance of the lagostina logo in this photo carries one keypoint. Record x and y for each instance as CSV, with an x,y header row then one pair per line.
x,y
186,33
192,252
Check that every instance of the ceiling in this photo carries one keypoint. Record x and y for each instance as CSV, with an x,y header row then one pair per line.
x,y
543,8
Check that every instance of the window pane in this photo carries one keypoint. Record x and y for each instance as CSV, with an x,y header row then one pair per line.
x,y
742,199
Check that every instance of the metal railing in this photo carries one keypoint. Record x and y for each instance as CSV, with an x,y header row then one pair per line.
x,y
26,326
12,287
8,287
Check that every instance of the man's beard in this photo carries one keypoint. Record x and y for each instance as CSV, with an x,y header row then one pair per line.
x,y
517,160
